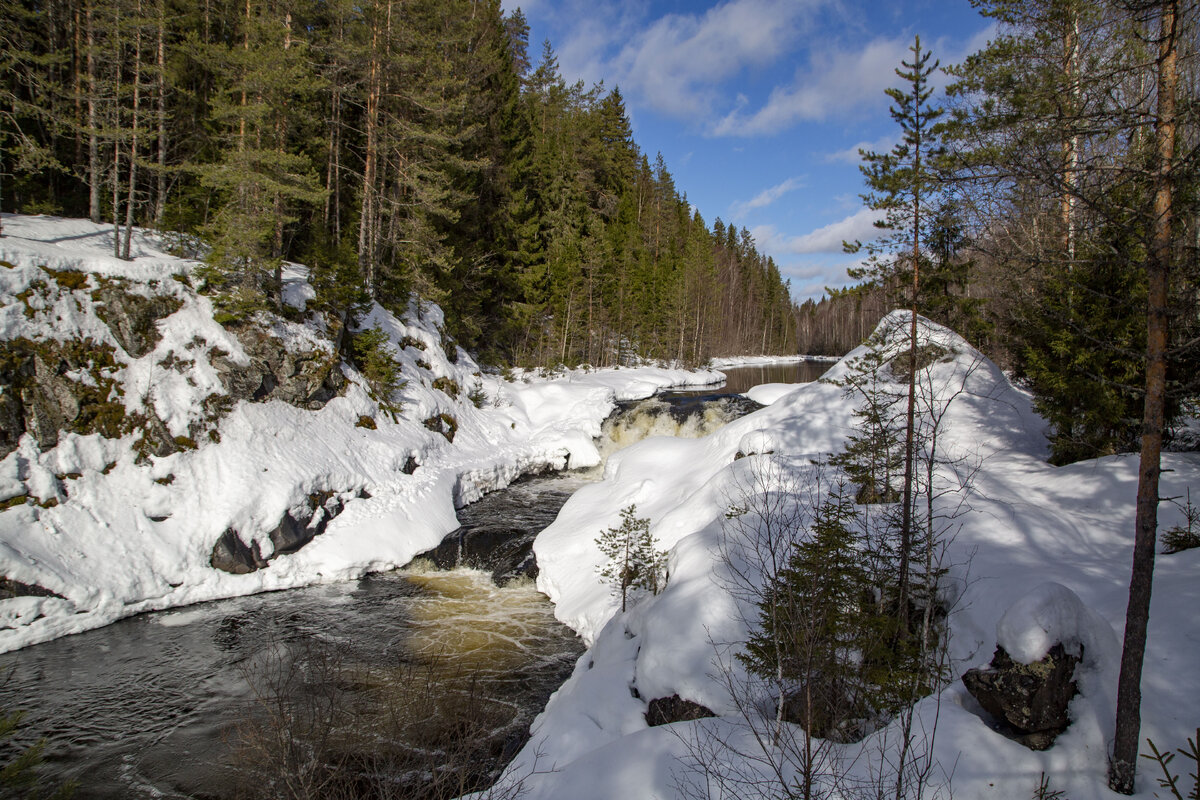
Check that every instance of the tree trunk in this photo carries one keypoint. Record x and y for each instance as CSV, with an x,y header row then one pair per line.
x,y
160,195
93,136
906,511
1123,765
133,130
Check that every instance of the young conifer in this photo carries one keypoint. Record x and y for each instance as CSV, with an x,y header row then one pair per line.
x,y
634,560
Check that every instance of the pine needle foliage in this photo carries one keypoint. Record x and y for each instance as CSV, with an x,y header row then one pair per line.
x,y
370,354
633,558
19,778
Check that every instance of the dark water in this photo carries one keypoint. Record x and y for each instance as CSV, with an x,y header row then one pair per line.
x,y
740,379
155,706
149,707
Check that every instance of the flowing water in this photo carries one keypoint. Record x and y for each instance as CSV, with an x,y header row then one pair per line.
x,y
181,703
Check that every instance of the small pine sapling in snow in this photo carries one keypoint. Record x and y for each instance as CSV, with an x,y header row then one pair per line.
x,y
1171,782
633,558
1187,536
370,354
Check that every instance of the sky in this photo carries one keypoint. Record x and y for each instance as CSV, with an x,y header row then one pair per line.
x,y
759,106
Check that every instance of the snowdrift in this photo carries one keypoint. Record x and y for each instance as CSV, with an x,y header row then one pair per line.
x,y
1038,553
96,528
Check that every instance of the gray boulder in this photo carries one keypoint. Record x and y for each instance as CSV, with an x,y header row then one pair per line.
x,y
1028,700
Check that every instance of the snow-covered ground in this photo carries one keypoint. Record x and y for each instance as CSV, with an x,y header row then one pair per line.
x,y
1038,553
127,537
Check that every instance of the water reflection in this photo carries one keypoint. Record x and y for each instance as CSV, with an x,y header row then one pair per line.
x,y
741,379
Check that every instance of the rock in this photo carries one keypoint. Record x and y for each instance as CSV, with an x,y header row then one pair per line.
x,y
665,710
51,386
231,554
131,317
296,528
305,378
1030,700
828,712
506,552
10,588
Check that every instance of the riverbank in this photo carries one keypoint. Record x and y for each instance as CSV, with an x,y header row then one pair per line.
x,y
1020,533
95,528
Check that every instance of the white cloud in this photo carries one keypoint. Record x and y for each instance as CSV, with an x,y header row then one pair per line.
x,y
851,155
840,82
834,83
827,239
765,197
677,63
811,277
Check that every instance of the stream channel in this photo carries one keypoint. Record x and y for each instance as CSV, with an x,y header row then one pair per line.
x,y
395,674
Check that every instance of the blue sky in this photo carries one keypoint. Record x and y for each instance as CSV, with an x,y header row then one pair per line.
x,y
759,106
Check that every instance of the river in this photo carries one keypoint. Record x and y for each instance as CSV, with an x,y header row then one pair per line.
x,y
399,673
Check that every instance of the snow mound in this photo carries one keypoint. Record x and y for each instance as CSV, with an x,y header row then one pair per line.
x,y
1019,531
113,530
768,393
1049,614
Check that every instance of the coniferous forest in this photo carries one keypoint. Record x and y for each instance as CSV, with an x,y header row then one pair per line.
x,y
394,146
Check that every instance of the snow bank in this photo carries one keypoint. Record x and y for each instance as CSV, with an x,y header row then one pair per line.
x,y
1023,532
1051,614
113,535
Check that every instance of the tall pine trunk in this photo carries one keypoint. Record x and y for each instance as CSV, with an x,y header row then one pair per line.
x,y
160,194
1123,765
133,131
94,167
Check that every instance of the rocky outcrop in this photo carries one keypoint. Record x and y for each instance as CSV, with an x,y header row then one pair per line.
x,y
298,527
10,589
132,317
306,378
665,710
1028,701
48,387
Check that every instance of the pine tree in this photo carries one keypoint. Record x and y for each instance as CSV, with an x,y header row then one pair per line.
x,y
903,183
633,558
19,776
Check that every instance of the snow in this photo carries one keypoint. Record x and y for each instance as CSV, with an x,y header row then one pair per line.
x,y
128,537
1049,614
1037,553
768,393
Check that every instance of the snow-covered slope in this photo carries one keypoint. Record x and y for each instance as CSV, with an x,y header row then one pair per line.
x,y
114,530
1037,551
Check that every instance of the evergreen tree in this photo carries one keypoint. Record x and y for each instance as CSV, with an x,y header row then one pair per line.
x,y
903,184
633,558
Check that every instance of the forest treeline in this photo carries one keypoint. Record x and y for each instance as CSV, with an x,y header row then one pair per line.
x,y
1037,202
394,146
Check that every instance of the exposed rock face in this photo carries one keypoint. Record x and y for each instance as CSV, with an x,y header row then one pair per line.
x,y
828,711
665,710
131,317
1031,699
308,379
298,527
10,588
48,387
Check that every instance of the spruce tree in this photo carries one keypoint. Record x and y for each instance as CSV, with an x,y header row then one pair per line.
x,y
633,558
903,183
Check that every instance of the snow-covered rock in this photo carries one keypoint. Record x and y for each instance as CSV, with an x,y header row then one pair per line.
x,y
115,526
